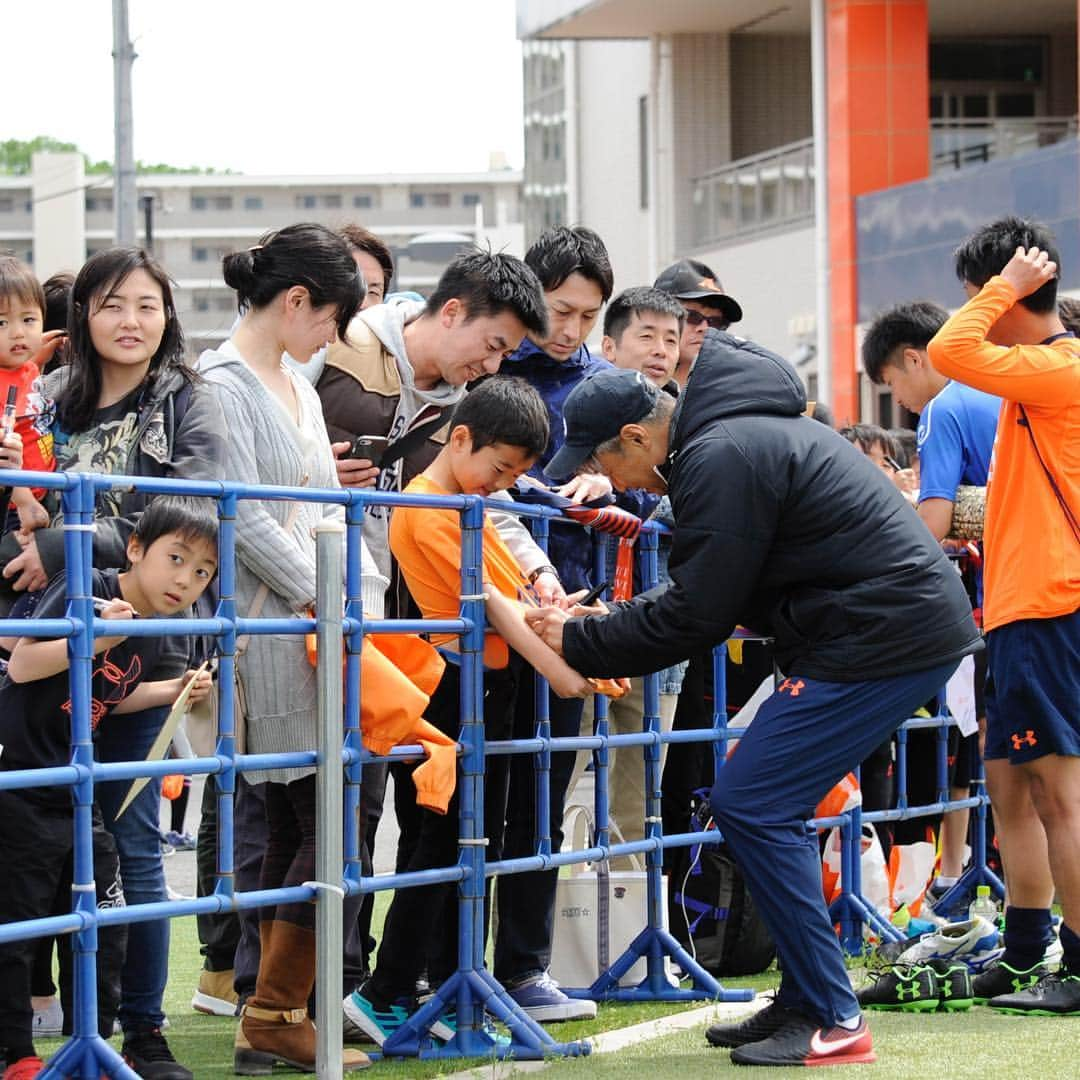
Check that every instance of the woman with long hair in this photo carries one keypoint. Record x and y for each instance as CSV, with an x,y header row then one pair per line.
x,y
126,403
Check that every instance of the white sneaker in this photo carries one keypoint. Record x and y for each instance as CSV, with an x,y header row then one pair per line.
x,y
976,942
49,1022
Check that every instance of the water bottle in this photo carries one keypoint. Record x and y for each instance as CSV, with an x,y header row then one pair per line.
x,y
984,905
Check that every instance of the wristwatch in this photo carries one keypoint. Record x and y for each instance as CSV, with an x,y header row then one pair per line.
x,y
545,569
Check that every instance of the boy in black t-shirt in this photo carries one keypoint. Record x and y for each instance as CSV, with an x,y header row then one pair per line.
x,y
172,558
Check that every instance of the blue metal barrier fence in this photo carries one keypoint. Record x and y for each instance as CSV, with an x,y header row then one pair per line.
x,y
472,989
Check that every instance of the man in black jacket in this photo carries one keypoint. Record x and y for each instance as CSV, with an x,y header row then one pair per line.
x,y
783,526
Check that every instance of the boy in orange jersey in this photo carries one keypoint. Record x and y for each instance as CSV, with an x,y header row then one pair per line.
x,y
497,433
1009,340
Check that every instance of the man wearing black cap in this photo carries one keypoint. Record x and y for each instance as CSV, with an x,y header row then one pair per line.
x,y
784,527
694,285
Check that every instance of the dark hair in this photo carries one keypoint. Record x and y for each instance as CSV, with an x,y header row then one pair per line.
x,y
564,250
17,280
57,291
360,239
193,518
309,255
867,436
823,414
103,272
907,450
505,409
638,301
1069,313
904,326
488,284
986,253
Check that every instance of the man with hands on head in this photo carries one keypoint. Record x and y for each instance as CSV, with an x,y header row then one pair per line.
x,y
783,527
1008,340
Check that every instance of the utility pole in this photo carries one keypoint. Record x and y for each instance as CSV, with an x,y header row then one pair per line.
x,y
124,199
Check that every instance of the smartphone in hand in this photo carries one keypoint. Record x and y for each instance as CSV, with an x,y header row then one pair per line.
x,y
370,448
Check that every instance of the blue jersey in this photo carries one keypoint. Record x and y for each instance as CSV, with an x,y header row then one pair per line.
x,y
956,438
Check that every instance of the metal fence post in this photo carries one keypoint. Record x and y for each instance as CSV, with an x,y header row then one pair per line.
x,y
329,538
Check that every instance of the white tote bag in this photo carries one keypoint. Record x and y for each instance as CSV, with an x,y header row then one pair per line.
x,y
598,913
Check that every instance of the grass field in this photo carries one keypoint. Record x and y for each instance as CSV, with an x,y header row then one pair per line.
x,y
980,1043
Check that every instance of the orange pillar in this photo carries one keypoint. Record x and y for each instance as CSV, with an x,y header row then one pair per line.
x,y
879,136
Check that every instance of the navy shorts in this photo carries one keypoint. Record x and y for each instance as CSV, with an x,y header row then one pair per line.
x,y
1033,689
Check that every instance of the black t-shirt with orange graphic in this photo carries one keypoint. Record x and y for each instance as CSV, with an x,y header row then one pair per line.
x,y
35,717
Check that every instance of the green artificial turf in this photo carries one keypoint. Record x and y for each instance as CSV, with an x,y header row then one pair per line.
x,y
979,1043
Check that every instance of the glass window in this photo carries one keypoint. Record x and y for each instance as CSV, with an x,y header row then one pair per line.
x,y
199,254
332,202
470,198
362,202
416,200
201,303
198,202
222,202
439,198
305,202
253,202
7,205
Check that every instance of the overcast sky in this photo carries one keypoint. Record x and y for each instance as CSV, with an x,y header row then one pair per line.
x,y
315,86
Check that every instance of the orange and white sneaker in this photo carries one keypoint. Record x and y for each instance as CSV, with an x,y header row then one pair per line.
x,y
804,1042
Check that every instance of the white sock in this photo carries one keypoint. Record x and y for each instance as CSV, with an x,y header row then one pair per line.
x,y
851,1023
945,882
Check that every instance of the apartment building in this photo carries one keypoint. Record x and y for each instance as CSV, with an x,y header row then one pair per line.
x,y
57,216
687,129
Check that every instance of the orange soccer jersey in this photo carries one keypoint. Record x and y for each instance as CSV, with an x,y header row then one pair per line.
x,y
1032,554
427,545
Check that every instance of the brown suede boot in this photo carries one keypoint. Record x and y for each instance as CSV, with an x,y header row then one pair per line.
x,y
275,1022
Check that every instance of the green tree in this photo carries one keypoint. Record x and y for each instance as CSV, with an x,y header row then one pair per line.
x,y
16,155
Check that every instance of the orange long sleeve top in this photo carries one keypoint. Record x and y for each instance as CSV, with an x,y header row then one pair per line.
x,y
1032,568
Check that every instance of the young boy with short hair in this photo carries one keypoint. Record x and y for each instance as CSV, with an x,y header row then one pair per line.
x,y
22,315
497,434
172,558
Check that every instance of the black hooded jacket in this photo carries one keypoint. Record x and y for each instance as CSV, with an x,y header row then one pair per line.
x,y
782,526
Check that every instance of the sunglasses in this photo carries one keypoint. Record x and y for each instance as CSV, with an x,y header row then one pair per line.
x,y
695,318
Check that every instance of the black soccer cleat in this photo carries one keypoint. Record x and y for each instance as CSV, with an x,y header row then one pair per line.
x,y
753,1029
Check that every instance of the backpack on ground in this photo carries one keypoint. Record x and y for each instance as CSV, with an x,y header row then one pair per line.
x,y
710,910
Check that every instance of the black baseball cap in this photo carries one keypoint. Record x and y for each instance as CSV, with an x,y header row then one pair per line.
x,y
693,280
595,411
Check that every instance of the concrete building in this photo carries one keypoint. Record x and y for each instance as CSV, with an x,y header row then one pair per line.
x,y
57,216
687,129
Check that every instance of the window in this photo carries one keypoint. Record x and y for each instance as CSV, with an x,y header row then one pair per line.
x,y
416,200
305,202
222,202
470,198
253,202
332,202
99,203
201,303
362,202
439,198
223,303
199,254
7,205
198,202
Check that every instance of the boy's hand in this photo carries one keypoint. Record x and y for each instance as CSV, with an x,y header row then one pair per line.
x,y
1027,271
203,684
585,487
32,515
571,685
50,342
11,451
353,472
548,624
113,609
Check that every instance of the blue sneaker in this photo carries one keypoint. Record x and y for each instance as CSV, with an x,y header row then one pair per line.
x,y
541,999
362,1018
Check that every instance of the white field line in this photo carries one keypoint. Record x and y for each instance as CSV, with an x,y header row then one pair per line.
x,y
608,1042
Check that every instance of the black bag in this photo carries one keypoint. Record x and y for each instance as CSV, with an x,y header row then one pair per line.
x,y
710,910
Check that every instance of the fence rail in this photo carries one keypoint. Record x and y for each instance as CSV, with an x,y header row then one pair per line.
x,y
472,989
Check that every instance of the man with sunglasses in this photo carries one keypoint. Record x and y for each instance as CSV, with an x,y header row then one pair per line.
x,y
706,304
